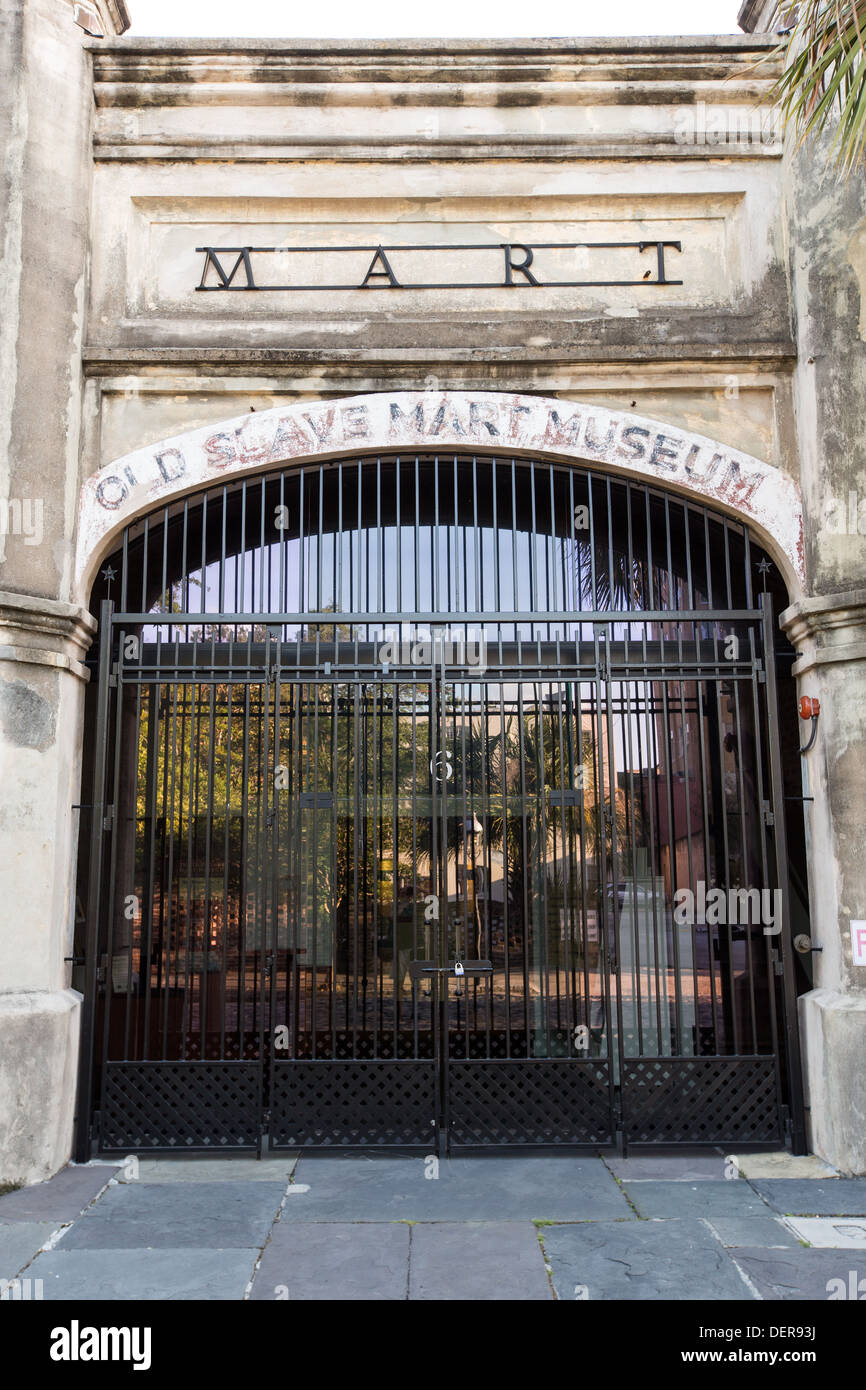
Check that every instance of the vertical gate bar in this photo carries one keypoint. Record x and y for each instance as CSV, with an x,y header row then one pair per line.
x,y
192,803
378,834
320,600
646,699
468,951
380,542
769,952
595,601
607,930
524,856
672,840
396,969
416,549
314,697
207,908
265,988
436,987
226,849
357,827
561,852
702,691
334,782
145,555
615,876
692,884
478,600
94,888
792,1034
434,538
745,842
541,923
576,715
625,702
150,823
172,914
139,931
243,896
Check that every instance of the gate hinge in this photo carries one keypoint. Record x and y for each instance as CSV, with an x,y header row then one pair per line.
x,y
769,818
108,818
760,672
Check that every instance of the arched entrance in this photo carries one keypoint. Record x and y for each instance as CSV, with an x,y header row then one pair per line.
x,y
441,802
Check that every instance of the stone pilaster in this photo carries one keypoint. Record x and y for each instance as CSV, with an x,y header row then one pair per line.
x,y
42,677
829,635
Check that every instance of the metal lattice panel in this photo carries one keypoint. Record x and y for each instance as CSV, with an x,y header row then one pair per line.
x,y
532,1102
179,1105
673,1100
353,1104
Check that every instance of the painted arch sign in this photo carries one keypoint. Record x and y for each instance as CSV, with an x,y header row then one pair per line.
x,y
432,421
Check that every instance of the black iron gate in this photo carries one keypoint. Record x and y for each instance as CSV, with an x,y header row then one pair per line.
x,y
353,886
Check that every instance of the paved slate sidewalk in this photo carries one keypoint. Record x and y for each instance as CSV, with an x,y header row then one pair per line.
x,y
388,1229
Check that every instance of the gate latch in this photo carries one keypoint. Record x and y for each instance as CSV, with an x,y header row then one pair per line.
x,y
769,818
418,969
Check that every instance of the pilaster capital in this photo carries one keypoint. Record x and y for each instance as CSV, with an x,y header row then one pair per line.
x,y
827,630
45,632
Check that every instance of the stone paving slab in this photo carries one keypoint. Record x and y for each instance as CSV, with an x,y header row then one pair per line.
x,y
800,1274
769,1231
490,1189
800,1197
147,1275
641,1260
153,1170
474,1262
219,1215
828,1232
710,1199
19,1242
62,1198
781,1164
339,1261
669,1168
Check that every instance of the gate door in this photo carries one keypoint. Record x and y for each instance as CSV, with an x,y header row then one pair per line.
x,y
354,1055
179,897
694,885
526,1042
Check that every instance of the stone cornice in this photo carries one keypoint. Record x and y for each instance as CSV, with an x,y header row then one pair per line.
x,y
666,76
585,71
827,630
45,632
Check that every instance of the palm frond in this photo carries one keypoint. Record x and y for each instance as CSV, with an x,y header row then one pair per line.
x,y
824,78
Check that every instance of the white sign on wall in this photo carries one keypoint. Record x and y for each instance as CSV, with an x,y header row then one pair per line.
x,y
858,942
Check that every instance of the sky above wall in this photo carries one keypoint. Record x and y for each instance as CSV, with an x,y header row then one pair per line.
x,y
377,19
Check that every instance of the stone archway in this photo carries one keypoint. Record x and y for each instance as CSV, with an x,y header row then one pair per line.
x,y
488,422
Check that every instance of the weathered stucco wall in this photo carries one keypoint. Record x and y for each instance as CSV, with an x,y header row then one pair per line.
x,y
45,132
